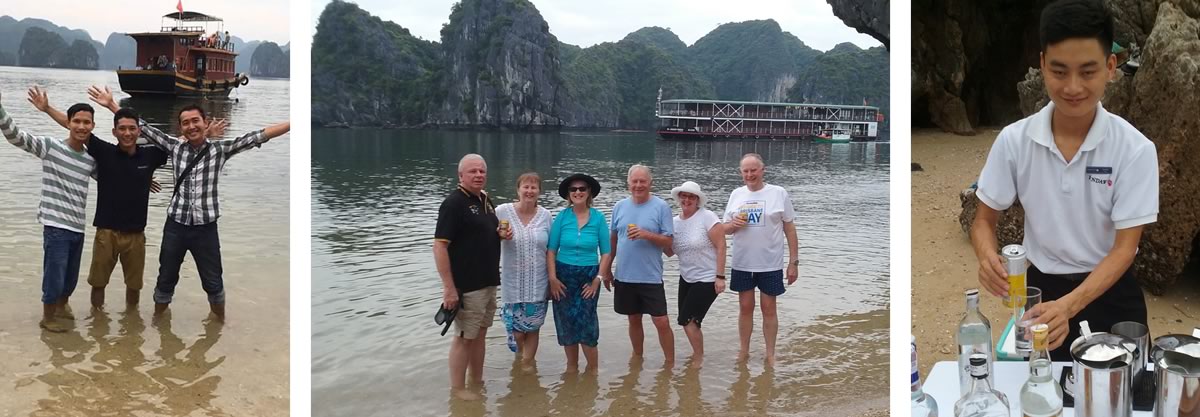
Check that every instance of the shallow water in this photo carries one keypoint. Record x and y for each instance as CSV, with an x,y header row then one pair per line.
x,y
376,350
119,362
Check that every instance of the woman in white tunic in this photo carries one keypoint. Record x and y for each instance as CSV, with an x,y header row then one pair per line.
x,y
523,275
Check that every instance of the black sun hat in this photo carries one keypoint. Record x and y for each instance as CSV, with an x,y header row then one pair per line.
x,y
593,185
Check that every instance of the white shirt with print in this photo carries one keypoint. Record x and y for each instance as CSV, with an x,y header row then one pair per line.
x,y
760,246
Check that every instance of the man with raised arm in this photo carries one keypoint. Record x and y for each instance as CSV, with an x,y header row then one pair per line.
x,y
66,167
192,215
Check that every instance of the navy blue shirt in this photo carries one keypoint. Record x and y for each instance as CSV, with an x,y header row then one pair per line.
x,y
123,182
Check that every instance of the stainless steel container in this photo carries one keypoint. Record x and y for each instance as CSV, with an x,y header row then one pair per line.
x,y
1177,373
1140,348
1103,373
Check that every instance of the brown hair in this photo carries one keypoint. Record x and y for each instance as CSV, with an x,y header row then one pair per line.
x,y
529,177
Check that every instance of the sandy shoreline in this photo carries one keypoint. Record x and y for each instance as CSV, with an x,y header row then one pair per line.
x,y
943,263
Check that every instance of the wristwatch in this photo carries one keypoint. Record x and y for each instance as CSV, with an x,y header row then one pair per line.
x,y
721,277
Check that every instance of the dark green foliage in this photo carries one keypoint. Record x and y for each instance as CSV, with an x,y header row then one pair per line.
x,y
845,75
270,61
80,55
375,66
615,84
38,47
744,59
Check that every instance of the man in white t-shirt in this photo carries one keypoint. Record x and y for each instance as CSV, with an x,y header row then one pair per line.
x,y
759,217
1088,181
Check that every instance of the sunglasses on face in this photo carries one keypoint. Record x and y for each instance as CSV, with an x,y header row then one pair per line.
x,y
577,189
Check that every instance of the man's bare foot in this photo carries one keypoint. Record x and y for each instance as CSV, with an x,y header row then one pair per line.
x,y
52,325
572,368
697,363
160,308
743,356
769,361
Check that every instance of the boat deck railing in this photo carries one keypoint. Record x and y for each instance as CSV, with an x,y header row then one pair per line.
x,y
183,28
766,115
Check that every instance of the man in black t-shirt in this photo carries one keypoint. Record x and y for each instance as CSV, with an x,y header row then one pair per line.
x,y
466,248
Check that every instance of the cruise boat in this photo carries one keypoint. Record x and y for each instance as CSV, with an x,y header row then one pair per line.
x,y
184,58
702,119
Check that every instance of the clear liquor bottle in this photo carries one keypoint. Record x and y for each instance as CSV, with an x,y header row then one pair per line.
x,y
981,400
1041,396
974,336
923,404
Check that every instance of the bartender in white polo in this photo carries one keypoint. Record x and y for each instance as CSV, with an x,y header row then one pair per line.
x,y
1088,181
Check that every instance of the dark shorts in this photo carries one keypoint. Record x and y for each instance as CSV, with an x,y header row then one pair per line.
x,y
640,299
770,282
694,301
1122,302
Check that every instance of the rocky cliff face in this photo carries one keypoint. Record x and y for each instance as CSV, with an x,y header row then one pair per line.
x,y
119,51
502,67
12,31
270,61
42,48
966,56
1161,101
867,16
367,72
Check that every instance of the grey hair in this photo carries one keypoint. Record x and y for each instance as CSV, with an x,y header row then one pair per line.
x,y
755,156
636,167
470,157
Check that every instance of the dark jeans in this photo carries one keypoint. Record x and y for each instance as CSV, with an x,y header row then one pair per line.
x,y
205,246
61,250
1122,302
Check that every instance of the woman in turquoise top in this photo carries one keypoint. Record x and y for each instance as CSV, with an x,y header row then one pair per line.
x,y
579,232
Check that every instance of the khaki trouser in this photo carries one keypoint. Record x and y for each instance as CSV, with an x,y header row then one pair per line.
x,y
476,312
112,246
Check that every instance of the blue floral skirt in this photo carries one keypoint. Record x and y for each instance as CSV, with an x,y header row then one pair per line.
x,y
574,316
522,317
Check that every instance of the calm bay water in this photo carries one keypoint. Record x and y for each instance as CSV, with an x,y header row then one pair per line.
x,y
377,352
120,362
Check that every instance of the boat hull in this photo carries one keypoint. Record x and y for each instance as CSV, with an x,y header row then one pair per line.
x,y
148,83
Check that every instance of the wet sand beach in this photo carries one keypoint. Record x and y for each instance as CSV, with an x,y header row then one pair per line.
x,y
944,264
120,362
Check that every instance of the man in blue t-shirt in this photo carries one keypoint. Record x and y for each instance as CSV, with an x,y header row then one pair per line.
x,y
642,227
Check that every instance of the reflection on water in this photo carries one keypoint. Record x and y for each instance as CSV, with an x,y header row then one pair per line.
x,y
374,204
105,371
115,363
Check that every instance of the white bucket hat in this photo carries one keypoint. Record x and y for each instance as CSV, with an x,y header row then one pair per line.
x,y
690,188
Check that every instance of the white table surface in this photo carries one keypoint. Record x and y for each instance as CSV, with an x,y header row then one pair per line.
x,y
942,385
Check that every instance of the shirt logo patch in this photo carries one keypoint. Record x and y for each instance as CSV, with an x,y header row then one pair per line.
x,y
1099,175
474,209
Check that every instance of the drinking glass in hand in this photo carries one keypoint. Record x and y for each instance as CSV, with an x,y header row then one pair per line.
x,y
1024,335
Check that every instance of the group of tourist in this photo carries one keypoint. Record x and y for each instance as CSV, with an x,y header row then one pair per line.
x,y
124,176
540,261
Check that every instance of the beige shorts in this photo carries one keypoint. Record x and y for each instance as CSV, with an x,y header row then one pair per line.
x,y
476,312
111,246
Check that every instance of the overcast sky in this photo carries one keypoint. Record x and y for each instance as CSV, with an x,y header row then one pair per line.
x,y
247,19
588,22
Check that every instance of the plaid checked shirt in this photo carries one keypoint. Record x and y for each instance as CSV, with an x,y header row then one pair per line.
x,y
195,202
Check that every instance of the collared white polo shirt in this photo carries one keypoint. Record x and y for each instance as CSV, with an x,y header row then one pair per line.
x,y
1072,209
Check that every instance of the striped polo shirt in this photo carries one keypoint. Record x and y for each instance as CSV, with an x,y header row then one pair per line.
x,y
65,175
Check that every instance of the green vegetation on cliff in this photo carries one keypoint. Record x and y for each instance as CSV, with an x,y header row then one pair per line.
x,y
751,60
845,75
42,48
615,84
368,71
